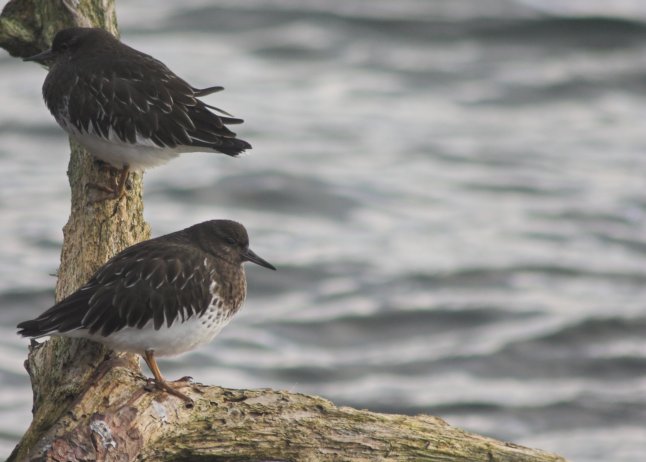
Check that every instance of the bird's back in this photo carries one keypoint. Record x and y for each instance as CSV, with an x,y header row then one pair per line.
x,y
126,98
152,285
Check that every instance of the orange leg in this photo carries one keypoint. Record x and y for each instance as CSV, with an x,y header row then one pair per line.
x,y
120,190
115,192
159,380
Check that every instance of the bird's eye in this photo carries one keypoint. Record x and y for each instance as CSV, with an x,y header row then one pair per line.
x,y
230,240
65,46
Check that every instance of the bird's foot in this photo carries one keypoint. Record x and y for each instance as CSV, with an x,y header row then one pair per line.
x,y
170,388
109,193
186,381
118,188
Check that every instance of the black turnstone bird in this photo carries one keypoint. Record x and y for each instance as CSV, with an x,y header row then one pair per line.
x,y
159,297
127,108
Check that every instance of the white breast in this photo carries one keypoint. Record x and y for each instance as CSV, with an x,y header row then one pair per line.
x,y
141,155
179,338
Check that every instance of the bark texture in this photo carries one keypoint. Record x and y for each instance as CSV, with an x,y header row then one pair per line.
x,y
90,408
116,419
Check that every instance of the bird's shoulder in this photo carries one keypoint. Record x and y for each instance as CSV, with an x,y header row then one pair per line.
x,y
170,259
119,74
134,98
162,283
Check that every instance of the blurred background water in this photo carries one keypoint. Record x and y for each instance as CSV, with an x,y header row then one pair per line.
x,y
453,191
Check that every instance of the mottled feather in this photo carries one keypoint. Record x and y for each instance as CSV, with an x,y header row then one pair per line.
x,y
107,89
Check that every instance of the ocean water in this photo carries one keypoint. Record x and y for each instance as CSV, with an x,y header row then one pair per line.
x,y
454,193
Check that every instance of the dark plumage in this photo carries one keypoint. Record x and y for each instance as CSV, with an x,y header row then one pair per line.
x,y
127,108
163,296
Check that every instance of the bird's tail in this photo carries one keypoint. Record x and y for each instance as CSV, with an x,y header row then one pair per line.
x,y
210,131
232,147
32,328
206,91
62,317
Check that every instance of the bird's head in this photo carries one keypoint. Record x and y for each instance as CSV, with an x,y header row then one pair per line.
x,y
228,240
68,42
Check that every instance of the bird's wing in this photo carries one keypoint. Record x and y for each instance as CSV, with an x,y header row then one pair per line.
x,y
142,101
133,288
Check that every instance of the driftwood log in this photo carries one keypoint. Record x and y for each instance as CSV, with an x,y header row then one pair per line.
x,y
91,404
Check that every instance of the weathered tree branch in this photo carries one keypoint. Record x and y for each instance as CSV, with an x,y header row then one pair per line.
x,y
87,408
116,419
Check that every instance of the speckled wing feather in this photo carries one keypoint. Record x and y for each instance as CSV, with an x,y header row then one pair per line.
x,y
142,283
142,101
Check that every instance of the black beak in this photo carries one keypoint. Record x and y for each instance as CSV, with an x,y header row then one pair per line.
x,y
249,255
44,57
